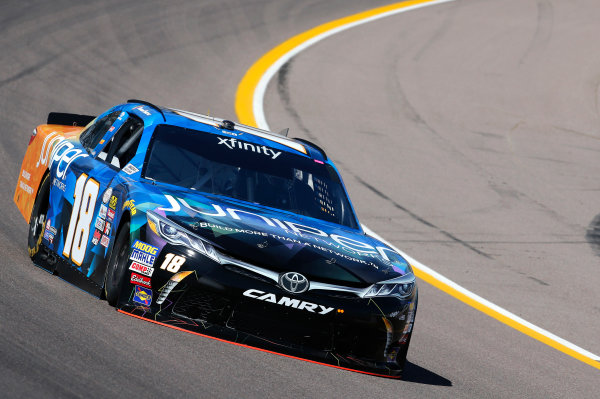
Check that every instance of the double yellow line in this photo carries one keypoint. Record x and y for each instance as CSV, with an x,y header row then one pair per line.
x,y
249,109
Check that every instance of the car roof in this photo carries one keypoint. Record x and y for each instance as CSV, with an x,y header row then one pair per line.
x,y
152,114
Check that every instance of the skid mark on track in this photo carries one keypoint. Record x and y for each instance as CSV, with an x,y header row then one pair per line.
x,y
420,219
543,30
593,234
27,71
284,95
437,34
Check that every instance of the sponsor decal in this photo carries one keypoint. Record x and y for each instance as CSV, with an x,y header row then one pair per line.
x,y
96,237
122,115
142,269
102,211
107,228
113,203
142,257
112,128
142,295
59,184
99,224
233,143
143,253
141,280
130,204
26,175
48,236
143,110
49,227
289,302
110,215
106,195
142,246
104,241
130,169
25,187
320,239
57,149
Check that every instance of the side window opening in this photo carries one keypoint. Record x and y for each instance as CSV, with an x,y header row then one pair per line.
x,y
91,136
122,146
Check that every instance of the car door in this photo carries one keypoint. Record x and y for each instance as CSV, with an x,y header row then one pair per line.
x,y
86,205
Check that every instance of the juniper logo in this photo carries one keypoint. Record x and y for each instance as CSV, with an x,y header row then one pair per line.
x,y
233,143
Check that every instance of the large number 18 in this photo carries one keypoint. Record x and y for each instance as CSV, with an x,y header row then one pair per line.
x,y
84,203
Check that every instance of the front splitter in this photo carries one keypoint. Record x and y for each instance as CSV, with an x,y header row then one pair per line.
x,y
230,336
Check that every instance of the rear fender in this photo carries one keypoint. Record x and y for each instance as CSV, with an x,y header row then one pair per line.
x,y
35,163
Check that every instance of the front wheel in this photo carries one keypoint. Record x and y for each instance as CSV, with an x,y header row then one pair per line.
x,y
37,220
117,266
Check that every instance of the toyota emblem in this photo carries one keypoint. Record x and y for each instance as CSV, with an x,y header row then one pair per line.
x,y
293,282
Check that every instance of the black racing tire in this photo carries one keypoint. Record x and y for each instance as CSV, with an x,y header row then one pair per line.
x,y
38,217
116,268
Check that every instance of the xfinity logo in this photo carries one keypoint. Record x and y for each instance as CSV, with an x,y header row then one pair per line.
x,y
233,143
289,302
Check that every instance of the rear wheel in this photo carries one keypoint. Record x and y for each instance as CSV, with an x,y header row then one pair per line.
x,y
117,266
38,217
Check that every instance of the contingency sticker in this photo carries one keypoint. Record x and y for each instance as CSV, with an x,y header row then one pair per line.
x,y
143,253
142,269
142,295
141,280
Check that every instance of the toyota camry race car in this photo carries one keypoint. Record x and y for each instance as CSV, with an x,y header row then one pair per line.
x,y
216,228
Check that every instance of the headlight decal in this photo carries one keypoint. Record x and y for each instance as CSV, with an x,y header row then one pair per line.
x,y
177,235
401,287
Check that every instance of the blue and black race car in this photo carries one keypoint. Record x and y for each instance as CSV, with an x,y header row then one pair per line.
x,y
217,228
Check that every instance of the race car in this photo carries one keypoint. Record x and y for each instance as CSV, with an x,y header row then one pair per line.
x,y
217,228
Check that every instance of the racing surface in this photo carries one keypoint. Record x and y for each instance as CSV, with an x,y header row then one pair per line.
x,y
467,134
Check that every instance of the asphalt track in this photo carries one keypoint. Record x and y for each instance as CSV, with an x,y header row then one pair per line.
x,y
467,134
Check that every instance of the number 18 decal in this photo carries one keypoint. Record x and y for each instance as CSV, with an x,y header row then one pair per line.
x,y
84,203
172,263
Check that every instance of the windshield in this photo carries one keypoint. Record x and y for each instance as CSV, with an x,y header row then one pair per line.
x,y
247,171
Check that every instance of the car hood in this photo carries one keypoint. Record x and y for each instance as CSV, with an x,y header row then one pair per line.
x,y
283,241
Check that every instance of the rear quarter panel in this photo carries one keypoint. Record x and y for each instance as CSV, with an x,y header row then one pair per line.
x,y
35,163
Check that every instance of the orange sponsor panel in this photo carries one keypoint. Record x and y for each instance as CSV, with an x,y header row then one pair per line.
x,y
36,161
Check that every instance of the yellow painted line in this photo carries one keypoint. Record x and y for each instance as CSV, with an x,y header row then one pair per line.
x,y
249,109
258,74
